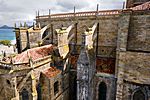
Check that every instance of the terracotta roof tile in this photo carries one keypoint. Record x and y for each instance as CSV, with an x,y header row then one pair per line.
x,y
34,53
145,6
50,72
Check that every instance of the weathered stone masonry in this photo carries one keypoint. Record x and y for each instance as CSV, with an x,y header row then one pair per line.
x,y
114,64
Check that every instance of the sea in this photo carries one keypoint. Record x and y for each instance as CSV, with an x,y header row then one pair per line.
x,y
8,34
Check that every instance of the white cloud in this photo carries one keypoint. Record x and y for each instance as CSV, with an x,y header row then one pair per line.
x,y
12,11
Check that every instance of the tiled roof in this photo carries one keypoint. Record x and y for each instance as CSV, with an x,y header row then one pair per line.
x,y
145,6
50,72
34,53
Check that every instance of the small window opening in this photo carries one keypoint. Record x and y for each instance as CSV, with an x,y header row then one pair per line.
x,y
56,87
8,82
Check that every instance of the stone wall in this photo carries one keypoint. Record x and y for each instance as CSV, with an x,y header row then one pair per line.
x,y
135,67
8,90
24,39
110,82
27,38
139,37
5,84
18,40
107,36
47,85
130,88
105,65
132,57
12,84
34,39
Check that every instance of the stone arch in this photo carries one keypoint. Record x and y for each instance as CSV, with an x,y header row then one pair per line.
x,y
46,32
102,91
25,94
139,94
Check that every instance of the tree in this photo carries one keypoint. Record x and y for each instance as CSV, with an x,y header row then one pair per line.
x,y
5,42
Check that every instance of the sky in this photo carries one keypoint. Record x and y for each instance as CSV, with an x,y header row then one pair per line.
x,y
20,11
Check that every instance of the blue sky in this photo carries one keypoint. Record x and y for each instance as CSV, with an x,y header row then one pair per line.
x,y
12,11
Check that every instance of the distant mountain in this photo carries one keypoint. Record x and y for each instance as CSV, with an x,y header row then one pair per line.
x,y
6,27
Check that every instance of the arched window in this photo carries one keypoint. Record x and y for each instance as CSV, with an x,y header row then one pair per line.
x,y
25,94
139,95
56,87
102,91
39,92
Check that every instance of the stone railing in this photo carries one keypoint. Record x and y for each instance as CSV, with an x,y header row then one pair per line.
x,y
145,6
5,65
10,66
42,61
80,14
22,66
35,63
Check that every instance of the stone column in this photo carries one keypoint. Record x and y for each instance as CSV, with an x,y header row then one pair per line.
x,y
34,91
123,29
18,40
123,26
14,85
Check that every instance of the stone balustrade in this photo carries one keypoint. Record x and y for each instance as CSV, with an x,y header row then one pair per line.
x,y
145,6
22,66
81,14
